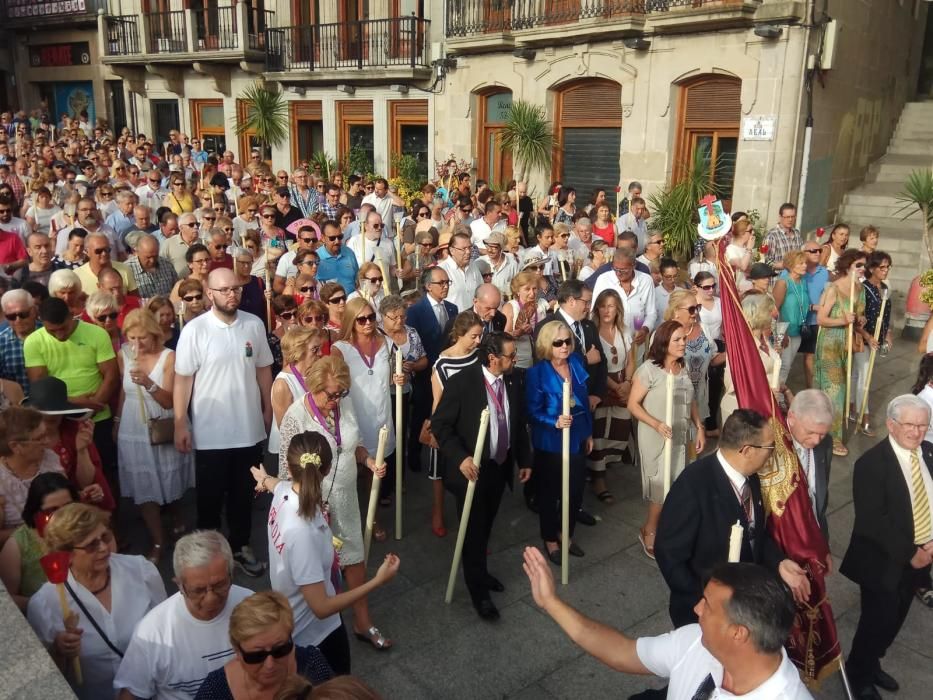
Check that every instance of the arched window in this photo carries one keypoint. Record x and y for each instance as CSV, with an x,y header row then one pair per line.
x,y
709,114
495,164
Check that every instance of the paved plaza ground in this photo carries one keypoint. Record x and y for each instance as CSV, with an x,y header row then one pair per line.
x,y
446,651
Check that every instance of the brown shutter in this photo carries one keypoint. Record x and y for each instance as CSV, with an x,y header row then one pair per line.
x,y
410,110
592,102
712,103
306,109
355,110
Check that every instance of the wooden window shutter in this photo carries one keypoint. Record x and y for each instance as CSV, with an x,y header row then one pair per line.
x,y
591,102
712,103
356,110
307,109
410,110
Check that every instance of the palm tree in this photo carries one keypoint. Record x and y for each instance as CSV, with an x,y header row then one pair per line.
x,y
674,208
266,116
528,135
918,196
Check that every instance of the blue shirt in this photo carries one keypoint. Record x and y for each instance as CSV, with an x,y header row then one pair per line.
x,y
544,393
12,363
121,223
341,268
816,283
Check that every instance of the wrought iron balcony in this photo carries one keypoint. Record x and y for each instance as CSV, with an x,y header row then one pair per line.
x,y
375,43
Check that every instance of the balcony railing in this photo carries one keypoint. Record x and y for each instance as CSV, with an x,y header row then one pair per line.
x,y
472,17
374,43
215,29
122,35
257,35
167,32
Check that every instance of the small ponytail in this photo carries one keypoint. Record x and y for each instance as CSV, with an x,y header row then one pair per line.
x,y
309,460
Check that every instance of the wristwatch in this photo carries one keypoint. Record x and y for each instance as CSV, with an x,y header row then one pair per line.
x,y
153,388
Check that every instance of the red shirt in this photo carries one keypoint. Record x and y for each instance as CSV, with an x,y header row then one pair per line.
x,y
227,262
67,452
11,248
608,234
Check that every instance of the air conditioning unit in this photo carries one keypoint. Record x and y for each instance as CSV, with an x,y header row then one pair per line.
x,y
830,37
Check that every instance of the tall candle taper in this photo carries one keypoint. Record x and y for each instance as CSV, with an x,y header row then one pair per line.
x,y
850,338
467,505
374,493
565,491
735,542
669,442
399,403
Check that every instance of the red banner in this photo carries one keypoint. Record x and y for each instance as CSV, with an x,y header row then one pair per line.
x,y
813,644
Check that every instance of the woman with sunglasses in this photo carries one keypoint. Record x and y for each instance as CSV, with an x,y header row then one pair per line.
x,y
647,402
103,310
301,348
835,246
709,316
198,258
522,313
192,301
105,197
179,199
793,303
246,218
334,296
118,174
114,590
327,412
272,236
313,314
20,570
253,298
369,285
366,352
285,311
834,319
544,384
877,267
267,654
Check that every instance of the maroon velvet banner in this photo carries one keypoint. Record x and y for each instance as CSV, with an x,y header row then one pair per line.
x,y
813,644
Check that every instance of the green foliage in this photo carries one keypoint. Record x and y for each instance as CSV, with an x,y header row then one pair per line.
x,y
357,162
321,160
409,170
917,196
528,135
266,115
757,225
674,209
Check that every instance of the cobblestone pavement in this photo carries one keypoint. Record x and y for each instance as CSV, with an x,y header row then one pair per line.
x,y
447,651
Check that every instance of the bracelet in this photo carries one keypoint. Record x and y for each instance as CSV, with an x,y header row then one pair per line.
x,y
116,419
263,482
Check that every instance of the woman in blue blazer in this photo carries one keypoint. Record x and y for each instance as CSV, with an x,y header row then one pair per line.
x,y
544,385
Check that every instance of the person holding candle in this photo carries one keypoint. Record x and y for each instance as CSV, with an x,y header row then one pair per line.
x,y
522,314
371,286
662,386
841,306
544,382
199,266
704,503
108,594
20,570
335,297
192,301
301,348
877,268
327,410
792,299
759,310
455,423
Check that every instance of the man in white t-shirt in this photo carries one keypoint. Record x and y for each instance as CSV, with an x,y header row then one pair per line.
x,y
186,637
481,228
736,650
223,371
383,203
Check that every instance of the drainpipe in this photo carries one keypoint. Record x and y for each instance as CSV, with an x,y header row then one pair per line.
x,y
804,77
807,137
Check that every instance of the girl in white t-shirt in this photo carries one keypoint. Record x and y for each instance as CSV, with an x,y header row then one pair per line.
x,y
302,561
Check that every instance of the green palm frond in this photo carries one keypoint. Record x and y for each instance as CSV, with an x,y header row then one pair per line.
x,y
674,208
266,115
528,135
917,196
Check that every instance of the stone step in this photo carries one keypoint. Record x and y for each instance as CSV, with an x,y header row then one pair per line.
x,y
921,129
921,107
912,147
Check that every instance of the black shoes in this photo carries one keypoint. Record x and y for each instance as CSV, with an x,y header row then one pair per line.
x,y
575,550
487,610
885,681
494,584
585,518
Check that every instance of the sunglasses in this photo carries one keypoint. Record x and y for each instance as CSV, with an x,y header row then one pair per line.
x,y
335,238
859,266
707,287
336,396
287,315
561,343
112,316
193,297
377,226
623,270
306,240
374,280
310,262
336,300
268,216
313,319
21,315
423,214
812,251
363,320
308,288
691,309
257,657
101,251
442,283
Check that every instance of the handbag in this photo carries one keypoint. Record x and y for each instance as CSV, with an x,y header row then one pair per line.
x,y
161,430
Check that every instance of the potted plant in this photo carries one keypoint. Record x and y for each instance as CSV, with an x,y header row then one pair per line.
x,y
917,196
266,117
528,135
674,208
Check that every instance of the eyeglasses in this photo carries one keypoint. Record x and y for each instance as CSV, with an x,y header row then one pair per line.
x,y
287,315
21,315
487,274
210,219
859,266
101,251
772,445
200,261
268,216
374,280
218,589
337,395
690,309
561,342
112,316
364,320
335,238
460,250
313,319
535,268
441,283
336,300
377,227
98,543
310,261
227,290
307,288
193,297
707,287
244,262
564,235
5,211
623,270
922,427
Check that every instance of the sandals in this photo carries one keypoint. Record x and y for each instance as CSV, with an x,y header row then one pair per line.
x,y
155,554
599,488
375,637
840,450
925,596
606,497
643,539
865,429
379,533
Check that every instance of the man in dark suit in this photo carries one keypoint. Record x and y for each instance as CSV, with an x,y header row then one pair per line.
x,y
574,300
486,305
455,424
429,316
892,542
810,420
705,501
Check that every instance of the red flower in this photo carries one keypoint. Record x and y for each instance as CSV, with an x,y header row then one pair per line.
x,y
820,232
763,249
618,188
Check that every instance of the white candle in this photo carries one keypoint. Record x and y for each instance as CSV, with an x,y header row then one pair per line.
x,y
374,493
398,245
385,280
776,374
668,443
735,542
565,492
399,397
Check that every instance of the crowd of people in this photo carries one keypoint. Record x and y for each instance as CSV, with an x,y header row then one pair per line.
x,y
176,320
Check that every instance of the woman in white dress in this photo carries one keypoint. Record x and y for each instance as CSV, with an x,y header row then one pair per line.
x,y
612,422
152,475
301,348
709,315
328,410
522,314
